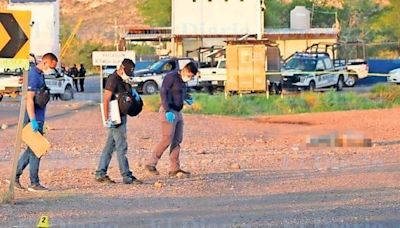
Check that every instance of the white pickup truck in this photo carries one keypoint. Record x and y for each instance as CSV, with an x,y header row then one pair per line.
x,y
10,83
310,71
213,77
58,83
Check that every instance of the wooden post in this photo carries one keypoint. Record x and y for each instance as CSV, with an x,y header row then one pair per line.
x,y
101,84
8,197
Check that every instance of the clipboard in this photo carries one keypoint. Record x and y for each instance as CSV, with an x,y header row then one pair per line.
x,y
113,112
36,141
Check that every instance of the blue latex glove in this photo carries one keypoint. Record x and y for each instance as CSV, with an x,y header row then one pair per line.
x,y
189,100
110,124
34,125
170,116
135,94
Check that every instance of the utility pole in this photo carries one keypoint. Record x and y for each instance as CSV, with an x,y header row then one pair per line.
x,y
116,34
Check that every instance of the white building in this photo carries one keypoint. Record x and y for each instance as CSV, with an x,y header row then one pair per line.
x,y
200,23
45,25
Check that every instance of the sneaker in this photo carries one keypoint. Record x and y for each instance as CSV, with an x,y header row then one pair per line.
x,y
17,185
178,172
132,180
37,188
104,179
152,169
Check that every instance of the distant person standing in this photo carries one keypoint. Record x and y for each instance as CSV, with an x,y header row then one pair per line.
x,y
173,95
116,139
82,73
36,117
63,68
75,73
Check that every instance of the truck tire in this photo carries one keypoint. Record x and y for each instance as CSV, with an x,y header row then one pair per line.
x,y
68,94
351,80
149,88
311,87
340,83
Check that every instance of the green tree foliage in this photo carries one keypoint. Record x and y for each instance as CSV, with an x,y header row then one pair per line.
x,y
80,51
386,27
155,12
355,19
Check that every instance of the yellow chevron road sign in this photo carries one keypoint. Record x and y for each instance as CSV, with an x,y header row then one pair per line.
x,y
14,38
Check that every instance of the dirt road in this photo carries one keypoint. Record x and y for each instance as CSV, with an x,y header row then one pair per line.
x,y
280,183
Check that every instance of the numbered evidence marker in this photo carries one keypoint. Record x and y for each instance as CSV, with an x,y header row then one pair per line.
x,y
43,222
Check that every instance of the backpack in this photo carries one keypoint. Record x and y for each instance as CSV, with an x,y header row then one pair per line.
x,y
128,105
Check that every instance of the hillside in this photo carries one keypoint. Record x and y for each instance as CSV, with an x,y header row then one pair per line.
x,y
99,17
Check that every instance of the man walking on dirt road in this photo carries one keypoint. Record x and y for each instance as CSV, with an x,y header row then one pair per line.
x,y
116,139
36,117
173,95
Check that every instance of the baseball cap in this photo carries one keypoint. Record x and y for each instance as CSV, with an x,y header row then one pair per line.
x,y
129,67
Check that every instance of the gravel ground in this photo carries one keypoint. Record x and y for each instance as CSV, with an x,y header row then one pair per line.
x,y
246,172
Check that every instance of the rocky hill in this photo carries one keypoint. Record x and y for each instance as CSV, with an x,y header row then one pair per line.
x,y
100,17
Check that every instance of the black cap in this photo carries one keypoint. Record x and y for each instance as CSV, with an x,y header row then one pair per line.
x,y
129,67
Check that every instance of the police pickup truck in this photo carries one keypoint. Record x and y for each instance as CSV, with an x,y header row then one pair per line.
x,y
60,84
311,71
149,80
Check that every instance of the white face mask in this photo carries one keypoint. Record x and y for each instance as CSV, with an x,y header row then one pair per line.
x,y
48,71
125,77
186,79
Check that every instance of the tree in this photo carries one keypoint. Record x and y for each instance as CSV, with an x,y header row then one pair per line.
x,y
155,12
277,14
355,19
387,28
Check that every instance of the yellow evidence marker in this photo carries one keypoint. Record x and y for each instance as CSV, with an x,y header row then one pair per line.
x,y
43,222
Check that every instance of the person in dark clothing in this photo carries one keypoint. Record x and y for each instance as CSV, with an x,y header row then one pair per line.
x,y
75,73
173,95
82,73
63,68
35,115
116,139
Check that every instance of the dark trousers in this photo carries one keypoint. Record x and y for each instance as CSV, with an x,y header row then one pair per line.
x,y
76,84
82,84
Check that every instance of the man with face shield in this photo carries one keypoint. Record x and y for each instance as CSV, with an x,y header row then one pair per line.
x,y
116,139
36,116
173,95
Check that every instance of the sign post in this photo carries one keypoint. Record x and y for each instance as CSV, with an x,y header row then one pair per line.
x,y
14,53
109,58
9,195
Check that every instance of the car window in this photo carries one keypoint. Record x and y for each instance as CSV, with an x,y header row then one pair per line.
x,y
222,64
328,63
169,66
300,64
320,65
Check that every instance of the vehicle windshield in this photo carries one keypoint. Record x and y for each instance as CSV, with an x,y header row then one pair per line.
x,y
222,64
301,64
157,66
